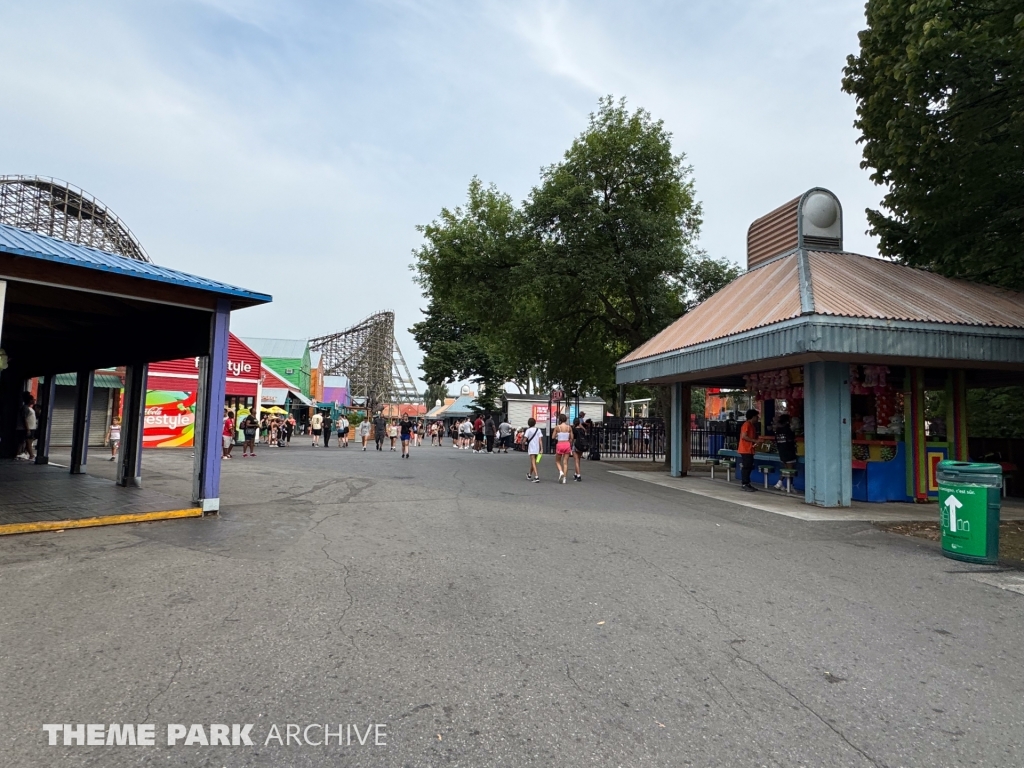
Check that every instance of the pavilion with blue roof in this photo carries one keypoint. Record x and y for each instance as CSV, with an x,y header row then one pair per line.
x,y
70,308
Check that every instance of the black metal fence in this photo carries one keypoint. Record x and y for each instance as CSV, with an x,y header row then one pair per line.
x,y
645,439
628,439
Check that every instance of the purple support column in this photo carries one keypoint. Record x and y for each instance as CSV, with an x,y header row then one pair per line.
x,y
209,412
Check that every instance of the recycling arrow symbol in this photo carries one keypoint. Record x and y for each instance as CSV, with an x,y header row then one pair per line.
x,y
952,504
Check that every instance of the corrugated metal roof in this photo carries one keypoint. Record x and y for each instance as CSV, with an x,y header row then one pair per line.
x,y
20,242
773,233
438,411
766,295
851,285
462,407
841,285
294,349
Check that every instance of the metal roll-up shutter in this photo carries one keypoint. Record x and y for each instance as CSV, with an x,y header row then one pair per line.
x,y
64,417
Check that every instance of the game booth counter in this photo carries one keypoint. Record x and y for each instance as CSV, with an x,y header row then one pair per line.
x,y
872,360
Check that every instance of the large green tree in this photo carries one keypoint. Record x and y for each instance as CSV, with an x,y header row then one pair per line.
x,y
616,224
940,104
475,328
600,258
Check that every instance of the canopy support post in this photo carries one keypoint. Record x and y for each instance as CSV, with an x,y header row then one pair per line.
x,y
82,422
209,408
828,453
47,389
129,457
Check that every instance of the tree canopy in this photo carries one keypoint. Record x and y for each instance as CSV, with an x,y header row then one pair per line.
x,y
601,257
940,104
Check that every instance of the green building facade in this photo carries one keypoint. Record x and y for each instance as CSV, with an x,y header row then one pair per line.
x,y
288,358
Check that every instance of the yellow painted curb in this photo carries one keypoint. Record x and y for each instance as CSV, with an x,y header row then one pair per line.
x,y
90,522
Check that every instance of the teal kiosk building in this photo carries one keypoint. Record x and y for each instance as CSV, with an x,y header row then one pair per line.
x,y
848,345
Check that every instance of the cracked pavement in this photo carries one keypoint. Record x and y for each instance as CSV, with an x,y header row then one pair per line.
x,y
489,621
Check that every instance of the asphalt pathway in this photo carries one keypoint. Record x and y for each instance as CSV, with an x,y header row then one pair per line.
x,y
483,620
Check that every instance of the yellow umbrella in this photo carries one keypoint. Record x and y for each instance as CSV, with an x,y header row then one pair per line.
x,y
275,409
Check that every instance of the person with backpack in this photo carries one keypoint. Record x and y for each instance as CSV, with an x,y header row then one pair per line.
x,y
580,443
250,428
534,439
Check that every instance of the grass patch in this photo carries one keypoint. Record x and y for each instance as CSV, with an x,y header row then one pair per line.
x,y
1011,537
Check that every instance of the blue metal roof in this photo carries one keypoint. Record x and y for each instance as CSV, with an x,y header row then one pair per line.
x,y
462,407
20,242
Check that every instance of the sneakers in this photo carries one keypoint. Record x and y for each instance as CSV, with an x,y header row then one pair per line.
x,y
578,478
778,486
536,479
749,488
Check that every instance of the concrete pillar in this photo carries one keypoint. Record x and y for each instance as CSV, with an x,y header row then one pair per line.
x,y
676,431
82,419
679,431
133,418
209,412
828,453
47,390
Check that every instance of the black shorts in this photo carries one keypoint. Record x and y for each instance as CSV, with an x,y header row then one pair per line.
x,y
317,432
479,437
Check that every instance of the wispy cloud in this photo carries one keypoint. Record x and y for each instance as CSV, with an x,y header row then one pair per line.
x,y
293,146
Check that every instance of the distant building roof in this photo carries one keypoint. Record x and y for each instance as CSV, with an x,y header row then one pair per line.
x,y
543,397
462,407
287,348
20,242
438,410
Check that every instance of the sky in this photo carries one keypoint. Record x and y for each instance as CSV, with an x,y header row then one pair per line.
x,y
293,147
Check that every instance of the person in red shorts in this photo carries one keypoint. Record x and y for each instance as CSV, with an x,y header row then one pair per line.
x,y
228,434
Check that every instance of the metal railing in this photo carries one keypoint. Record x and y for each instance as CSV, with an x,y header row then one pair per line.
x,y
636,439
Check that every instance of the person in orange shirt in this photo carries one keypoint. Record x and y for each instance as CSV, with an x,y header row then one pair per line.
x,y
748,437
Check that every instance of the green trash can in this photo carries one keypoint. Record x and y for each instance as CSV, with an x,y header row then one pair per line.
x,y
969,500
